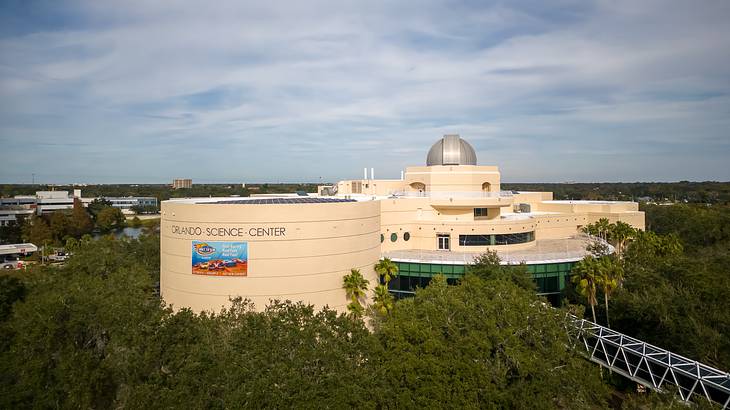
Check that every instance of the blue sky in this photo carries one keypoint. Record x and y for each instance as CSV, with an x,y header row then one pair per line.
x,y
278,91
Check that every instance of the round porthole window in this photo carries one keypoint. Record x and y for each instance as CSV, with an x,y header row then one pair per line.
x,y
406,236
393,237
382,238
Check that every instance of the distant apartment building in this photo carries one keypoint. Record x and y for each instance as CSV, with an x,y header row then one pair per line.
x,y
182,183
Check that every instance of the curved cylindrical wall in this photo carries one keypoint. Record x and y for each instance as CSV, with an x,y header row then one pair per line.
x,y
297,252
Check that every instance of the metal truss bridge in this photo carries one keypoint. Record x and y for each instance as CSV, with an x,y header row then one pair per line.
x,y
649,365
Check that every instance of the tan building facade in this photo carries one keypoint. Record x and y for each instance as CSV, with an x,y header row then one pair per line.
x,y
436,218
295,251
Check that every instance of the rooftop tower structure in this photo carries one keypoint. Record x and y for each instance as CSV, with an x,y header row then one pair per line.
x,y
451,150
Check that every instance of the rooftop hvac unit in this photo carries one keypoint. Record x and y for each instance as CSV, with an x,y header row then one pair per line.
x,y
522,208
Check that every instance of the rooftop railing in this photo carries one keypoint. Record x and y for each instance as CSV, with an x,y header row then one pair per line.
x,y
466,258
452,194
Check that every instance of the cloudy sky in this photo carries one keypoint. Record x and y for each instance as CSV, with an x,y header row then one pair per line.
x,y
224,91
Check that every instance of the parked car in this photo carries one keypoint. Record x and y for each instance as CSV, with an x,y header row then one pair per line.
x,y
59,256
11,264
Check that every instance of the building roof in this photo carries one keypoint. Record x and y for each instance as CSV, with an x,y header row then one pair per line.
x,y
17,248
282,201
451,150
542,251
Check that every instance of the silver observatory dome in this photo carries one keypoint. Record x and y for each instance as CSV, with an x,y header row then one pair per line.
x,y
451,150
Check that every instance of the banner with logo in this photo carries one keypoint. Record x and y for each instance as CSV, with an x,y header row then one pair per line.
x,y
219,258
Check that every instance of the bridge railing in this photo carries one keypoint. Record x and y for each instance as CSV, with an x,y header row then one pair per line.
x,y
651,366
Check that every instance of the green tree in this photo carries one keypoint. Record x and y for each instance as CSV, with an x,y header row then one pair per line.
x,y
72,244
383,302
96,206
676,298
77,340
147,209
489,267
697,226
356,309
667,399
586,276
649,250
12,232
37,231
355,286
387,270
110,218
12,290
610,278
487,344
60,226
619,234
602,228
80,222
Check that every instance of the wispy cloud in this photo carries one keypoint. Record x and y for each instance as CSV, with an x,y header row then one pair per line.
x,y
570,90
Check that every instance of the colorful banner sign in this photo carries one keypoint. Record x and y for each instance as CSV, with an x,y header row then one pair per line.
x,y
219,258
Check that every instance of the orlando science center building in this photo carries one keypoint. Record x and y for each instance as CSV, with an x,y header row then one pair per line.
x,y
434,220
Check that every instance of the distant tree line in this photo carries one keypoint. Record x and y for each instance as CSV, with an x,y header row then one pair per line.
x,y
709,192
160,191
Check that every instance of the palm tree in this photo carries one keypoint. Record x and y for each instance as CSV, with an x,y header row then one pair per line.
x,y
382,300
356,309
620,233
611,275
586,275
355,286
387,271
602,228
590,229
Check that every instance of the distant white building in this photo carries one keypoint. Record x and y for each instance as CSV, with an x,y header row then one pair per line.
x,y
46,202
12,209
51,201
9,214
126,203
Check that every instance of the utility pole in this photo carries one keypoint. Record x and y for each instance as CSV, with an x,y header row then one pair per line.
x,y
33,179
